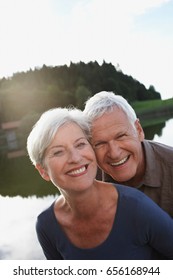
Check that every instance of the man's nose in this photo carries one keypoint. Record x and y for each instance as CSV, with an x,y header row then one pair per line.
x,y
113,150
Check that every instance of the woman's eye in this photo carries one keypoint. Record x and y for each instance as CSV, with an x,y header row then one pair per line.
x,y
81,144
58,153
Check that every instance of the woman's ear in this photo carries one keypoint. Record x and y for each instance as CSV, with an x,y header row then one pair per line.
x,y
139,130
42,172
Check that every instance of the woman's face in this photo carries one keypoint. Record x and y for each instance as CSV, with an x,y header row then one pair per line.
x,y
70,161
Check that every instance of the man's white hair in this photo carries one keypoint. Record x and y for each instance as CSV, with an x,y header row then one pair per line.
x,y
105,102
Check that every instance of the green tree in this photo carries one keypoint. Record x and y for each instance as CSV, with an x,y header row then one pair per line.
x,y
81,94
26,125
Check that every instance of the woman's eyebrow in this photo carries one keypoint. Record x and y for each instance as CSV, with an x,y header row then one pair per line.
x,y
55,146
61,145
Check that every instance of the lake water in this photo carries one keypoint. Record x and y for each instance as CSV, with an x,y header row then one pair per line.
x,y
166,136
17,217
18,209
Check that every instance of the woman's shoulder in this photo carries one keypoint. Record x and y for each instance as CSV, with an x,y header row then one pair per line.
x,y
46,215
126,190
49,211
133,195
134,199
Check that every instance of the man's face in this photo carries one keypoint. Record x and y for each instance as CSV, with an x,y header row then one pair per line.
x,y
117,144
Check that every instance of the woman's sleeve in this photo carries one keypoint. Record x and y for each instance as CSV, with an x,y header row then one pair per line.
x,y
48,246
157,227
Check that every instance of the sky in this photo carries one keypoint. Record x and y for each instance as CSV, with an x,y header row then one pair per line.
x,y
135,36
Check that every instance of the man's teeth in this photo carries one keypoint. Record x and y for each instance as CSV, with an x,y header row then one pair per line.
x,y
119,162
77,171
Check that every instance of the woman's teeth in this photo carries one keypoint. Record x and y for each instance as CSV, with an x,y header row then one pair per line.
x,y
77,171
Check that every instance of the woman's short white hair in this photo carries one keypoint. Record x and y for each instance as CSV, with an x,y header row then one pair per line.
x,y
46,127
105,102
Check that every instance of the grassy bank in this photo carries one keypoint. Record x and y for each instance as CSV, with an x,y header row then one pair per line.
x,y
153,111
19,177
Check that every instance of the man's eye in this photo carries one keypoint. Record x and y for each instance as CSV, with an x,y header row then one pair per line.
x,y
119,137
98,145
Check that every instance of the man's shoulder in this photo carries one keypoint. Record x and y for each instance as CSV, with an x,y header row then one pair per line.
x,y
158,145
160,150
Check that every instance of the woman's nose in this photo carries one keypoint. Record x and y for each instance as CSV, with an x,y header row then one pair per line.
x,y
74,156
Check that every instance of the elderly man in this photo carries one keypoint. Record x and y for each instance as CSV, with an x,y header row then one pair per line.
x,y
124,154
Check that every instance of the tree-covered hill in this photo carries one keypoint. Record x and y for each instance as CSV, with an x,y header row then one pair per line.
x,y
40,89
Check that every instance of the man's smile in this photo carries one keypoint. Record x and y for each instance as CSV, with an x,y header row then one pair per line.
x,y
122,161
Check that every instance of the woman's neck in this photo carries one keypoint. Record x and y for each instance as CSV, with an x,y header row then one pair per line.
x,y
83,204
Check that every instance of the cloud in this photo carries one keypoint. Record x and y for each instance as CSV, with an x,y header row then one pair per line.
x,y
102,29
36,32
52,32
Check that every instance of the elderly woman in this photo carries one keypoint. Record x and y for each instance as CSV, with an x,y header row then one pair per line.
x,y
91,219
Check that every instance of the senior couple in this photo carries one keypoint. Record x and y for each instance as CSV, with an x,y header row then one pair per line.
x,y
127,218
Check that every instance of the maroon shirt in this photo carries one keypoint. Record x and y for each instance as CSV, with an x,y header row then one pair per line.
x,y
158,180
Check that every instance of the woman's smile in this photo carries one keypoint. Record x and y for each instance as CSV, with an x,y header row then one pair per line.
x,y
78,171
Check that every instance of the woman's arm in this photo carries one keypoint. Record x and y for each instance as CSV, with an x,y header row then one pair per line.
x,y
49,249
157,227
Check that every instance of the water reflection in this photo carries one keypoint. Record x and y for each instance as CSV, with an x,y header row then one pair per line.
x,y
19,177
24,194
166,135
18,239
152,130
159,129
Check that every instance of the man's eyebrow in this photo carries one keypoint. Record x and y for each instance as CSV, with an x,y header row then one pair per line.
x,y
98,142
